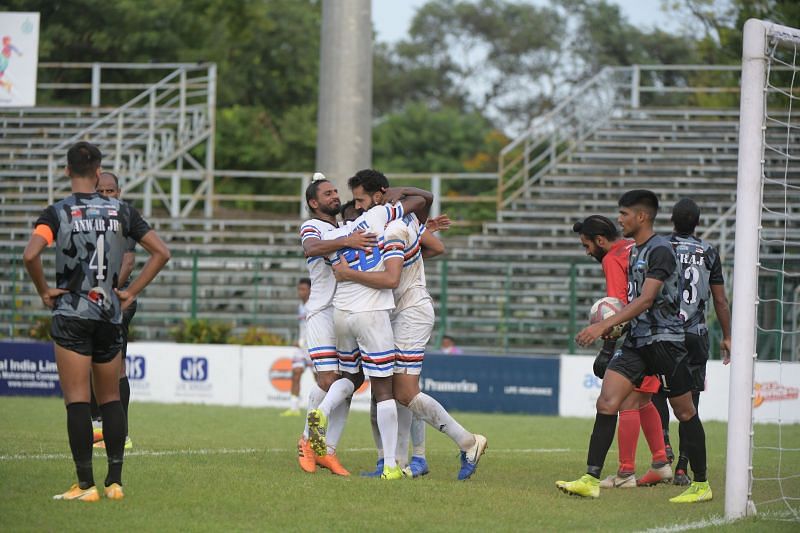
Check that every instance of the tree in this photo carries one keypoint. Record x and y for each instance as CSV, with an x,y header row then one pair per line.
x,y
490,56
419,139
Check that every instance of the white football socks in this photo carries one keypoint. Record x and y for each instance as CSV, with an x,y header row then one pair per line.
x,y
315,397
418,436
376,434
339,391
294,403
434,414
403,434
336,424
387,424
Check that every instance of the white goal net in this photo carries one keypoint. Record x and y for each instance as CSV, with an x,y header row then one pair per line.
x,y
763,459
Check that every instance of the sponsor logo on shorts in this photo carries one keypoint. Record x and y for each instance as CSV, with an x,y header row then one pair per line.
x,y
194,368
135,367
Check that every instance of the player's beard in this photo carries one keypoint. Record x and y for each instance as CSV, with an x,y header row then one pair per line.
x,y
330,211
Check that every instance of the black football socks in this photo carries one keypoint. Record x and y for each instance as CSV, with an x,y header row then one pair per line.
x,y
79,429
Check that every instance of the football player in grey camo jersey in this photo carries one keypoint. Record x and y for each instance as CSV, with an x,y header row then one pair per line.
x,y
655,344
702,280
90,233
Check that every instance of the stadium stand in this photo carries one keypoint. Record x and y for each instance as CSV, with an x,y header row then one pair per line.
x,y
520,286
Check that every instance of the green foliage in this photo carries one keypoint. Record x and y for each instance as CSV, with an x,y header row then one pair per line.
x,y
255,336
40,330
419,139
201,331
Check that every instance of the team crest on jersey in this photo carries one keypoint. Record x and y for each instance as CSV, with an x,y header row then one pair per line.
x,y
99,296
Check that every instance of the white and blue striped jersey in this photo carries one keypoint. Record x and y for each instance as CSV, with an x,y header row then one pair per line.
x,y
354,297
412,289
323,284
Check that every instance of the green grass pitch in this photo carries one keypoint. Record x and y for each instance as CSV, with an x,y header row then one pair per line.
x,y
205,468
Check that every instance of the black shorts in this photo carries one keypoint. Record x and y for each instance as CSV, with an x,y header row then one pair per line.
x,y
100,340
127,316
666,360
697,346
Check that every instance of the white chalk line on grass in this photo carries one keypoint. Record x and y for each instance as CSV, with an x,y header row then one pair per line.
x,y
237,451
717,520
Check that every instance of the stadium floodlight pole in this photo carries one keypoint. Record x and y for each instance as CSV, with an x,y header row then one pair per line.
x,y
344,120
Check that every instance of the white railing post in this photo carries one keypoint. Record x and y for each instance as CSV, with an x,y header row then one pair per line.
x,y
50,179
436,189
175,195
96,84
304,183
148,197
118,143
212,107
636,75
151,129
182,108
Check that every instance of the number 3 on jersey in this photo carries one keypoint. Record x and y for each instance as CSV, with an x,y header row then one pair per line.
x,y
97,262
692,276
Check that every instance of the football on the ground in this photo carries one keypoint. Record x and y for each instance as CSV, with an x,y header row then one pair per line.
x,y
604,308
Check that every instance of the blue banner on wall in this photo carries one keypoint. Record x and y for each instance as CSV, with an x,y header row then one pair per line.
x,y
492,383
28,368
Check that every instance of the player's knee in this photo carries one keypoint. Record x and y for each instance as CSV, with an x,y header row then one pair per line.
x,y
403,396
684,413
326,379
607,406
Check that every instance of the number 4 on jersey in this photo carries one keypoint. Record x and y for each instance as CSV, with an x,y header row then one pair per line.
x,y
97,262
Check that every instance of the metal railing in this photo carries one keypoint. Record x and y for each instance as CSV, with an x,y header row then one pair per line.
x,y
155,130
100,90
524,161
551,138
259,289
449,189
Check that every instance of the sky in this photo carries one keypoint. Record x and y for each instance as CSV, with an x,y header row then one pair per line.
x,y
393,17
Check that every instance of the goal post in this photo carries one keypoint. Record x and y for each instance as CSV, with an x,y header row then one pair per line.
x,y
759,38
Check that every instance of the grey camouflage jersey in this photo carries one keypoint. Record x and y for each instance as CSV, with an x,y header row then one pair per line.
x,y
91,235
655,259
700,268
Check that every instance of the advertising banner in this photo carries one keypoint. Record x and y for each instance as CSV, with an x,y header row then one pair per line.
x,y
776,390
184,373
28,368
492,383
267,379
19,58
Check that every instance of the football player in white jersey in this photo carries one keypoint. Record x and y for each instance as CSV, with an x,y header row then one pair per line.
x,y
362,319
412,323
300,360
324,204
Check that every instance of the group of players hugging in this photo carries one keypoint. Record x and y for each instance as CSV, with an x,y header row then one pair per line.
x,y
369,314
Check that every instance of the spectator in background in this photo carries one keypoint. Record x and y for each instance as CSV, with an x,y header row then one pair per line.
x,y
449,346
